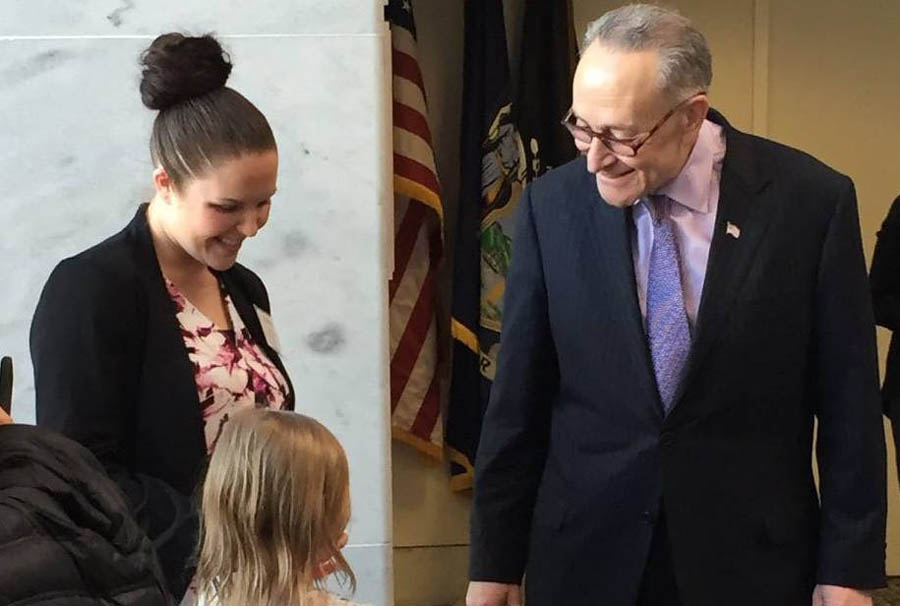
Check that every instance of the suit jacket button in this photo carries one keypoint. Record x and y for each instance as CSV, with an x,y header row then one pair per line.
x,y
647,518
667,439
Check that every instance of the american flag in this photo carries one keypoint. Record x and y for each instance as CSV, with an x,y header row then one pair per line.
x,y
418,218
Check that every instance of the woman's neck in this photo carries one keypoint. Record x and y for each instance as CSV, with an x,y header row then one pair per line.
x,y
175,262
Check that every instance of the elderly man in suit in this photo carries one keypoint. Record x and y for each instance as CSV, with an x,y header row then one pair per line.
x,y
684,301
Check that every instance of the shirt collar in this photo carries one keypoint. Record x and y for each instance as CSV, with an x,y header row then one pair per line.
x,y
691,187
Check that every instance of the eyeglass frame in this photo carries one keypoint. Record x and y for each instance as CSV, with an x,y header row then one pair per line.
x,y
606,138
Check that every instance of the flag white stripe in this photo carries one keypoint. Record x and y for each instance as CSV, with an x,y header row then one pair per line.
x,y
419,381
402,40
414,147
408,93
410,286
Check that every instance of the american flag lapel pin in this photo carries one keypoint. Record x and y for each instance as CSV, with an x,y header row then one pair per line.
x,y
732,230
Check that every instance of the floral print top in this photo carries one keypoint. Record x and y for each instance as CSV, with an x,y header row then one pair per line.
x,y
230,370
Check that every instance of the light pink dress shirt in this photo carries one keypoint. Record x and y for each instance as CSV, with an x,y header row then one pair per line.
x,y
696,194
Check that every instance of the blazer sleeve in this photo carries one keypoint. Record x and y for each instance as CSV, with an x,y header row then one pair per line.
x,y
86,358
850,444
515,431
884,279
86,340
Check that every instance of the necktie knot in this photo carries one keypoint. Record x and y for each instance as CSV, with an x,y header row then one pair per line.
x,y
660,207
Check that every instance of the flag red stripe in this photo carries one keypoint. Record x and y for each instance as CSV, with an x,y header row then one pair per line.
x,y
416,171
407,67
414,312
428,412
405,243
413,338
410,119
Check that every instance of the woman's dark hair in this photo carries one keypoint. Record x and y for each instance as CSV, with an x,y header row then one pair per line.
x,y
201,121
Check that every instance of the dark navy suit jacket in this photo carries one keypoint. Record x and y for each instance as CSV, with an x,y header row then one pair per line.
x,y
576,456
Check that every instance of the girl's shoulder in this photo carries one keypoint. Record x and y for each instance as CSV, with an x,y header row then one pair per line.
x,y
316,598
322,598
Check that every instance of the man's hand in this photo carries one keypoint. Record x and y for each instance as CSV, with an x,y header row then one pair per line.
x,y
493,594
4,418
831,595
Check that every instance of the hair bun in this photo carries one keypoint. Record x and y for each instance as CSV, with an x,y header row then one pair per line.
x,y
177,68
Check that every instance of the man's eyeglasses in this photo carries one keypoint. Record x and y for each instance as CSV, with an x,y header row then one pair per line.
x,y
627,147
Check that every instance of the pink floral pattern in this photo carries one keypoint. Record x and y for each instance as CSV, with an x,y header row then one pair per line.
x,y
231,371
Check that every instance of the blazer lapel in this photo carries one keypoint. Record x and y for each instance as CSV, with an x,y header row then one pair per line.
x,y
744,210
610,235
247,310
243,305
166,348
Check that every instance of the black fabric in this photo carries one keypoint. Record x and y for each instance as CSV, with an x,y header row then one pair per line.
x,y
397,13
544,93
486,96
112,373
66,534
658,584
519,141
885,282
575,453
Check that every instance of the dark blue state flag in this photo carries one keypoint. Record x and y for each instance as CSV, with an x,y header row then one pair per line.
x,y
496,163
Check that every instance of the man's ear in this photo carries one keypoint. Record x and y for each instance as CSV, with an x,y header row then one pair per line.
x,y
696,110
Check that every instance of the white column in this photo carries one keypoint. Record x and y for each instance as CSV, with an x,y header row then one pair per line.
x,y
74,165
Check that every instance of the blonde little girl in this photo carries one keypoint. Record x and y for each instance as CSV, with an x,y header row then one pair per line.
x,y
276,503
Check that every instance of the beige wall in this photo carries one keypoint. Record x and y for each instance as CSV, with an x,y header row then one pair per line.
x,y
729,29
834,87
820,75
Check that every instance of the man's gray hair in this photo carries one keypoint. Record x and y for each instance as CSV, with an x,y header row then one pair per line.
x,y
685,63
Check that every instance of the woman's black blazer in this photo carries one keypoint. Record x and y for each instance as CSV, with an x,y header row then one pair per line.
x,y
112,372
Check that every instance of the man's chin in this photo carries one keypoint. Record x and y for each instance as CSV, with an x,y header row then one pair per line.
x,y
620,197
616,198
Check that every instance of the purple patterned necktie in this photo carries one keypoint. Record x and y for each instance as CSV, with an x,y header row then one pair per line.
x,y
667,324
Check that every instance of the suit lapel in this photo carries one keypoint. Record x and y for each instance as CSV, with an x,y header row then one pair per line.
x,y
744,210
610,235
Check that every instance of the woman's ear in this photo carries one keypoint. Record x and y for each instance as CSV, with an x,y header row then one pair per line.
x,y
162,183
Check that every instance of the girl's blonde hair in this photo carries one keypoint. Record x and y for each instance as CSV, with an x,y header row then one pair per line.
x,y
276,501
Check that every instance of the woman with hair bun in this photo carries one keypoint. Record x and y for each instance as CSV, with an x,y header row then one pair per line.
x,y
145,344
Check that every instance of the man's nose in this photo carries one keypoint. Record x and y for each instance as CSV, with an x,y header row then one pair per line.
x,y
599,157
